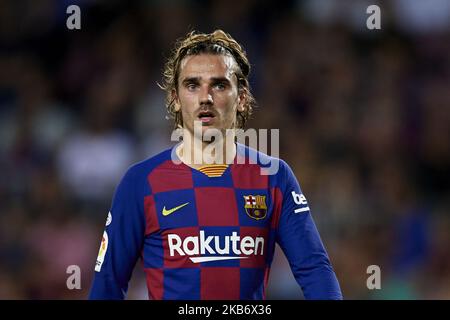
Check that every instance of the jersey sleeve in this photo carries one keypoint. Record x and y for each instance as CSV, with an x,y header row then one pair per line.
x,y
299,239
121,244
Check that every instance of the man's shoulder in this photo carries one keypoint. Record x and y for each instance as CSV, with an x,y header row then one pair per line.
x,y
146,166
275,164
254,156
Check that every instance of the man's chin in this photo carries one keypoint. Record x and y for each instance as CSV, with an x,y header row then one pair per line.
x,y
204,131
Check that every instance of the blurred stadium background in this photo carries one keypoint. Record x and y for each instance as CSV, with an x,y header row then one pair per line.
x,y
364,118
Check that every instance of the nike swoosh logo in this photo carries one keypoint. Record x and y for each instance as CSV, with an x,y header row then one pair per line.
x,y
166,212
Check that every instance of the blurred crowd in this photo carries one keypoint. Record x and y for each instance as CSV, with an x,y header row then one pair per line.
x,y
364,118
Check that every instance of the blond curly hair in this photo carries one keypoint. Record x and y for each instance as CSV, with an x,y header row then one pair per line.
x,y
217,42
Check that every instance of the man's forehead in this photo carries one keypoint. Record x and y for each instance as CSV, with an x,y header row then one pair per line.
x,y
209,65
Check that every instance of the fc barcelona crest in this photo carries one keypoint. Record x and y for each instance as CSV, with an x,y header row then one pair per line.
x,y
256,207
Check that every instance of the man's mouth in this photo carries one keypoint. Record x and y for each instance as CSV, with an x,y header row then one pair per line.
x,y
206,117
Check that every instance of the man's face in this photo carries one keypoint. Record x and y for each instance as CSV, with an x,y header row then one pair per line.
x,y
208,92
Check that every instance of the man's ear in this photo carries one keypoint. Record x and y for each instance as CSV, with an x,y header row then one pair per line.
x,y
241,101
176,101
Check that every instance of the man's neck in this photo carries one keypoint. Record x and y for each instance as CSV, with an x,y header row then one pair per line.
x,y
197,153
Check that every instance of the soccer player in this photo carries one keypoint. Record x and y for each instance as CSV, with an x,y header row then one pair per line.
x,y
209,231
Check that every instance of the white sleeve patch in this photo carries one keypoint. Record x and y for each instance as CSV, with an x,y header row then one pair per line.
x,y
300,200
102,252
109,219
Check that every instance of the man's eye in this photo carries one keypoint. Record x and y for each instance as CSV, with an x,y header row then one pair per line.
x,y
191,86
219,86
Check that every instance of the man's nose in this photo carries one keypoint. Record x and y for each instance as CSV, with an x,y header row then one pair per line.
x,y
205,96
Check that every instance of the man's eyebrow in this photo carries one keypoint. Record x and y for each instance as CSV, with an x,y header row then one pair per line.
x,y
220,79
197,79
190,80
